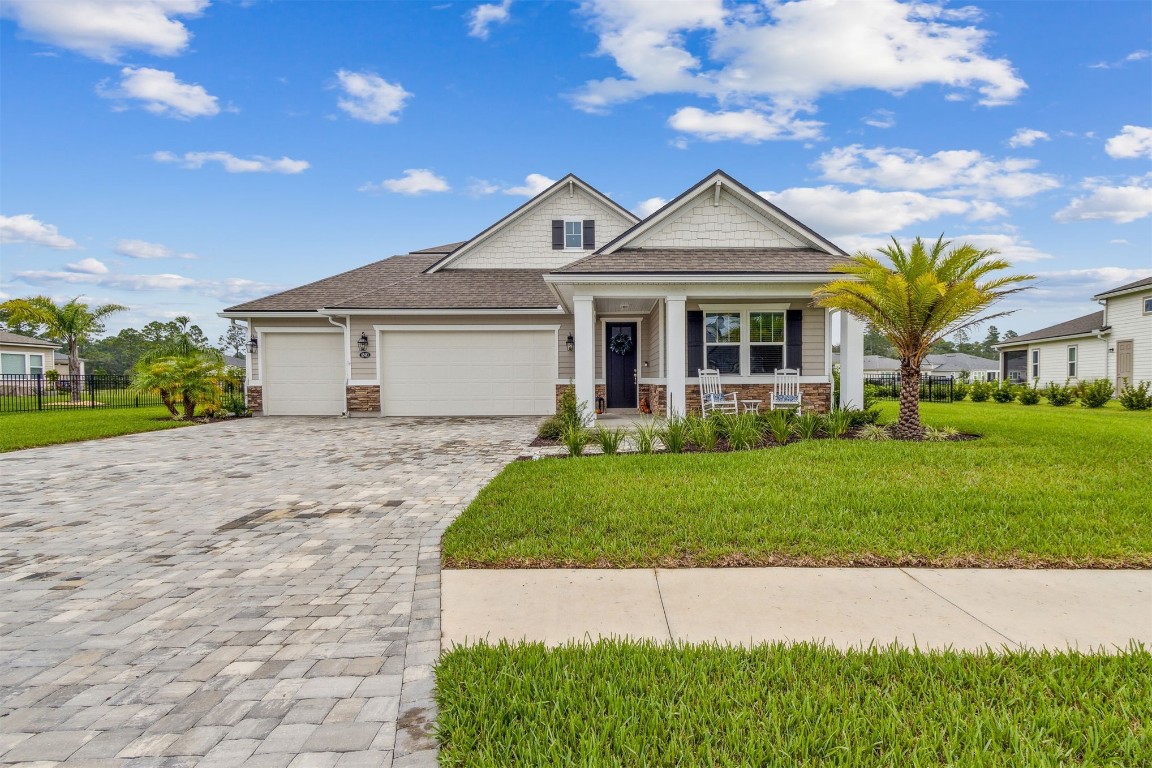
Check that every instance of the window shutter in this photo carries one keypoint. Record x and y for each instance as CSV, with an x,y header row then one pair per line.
x,y
557,234
794,333
589,234
694,343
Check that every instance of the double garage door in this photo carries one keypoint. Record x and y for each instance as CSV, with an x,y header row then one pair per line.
x,y
458,372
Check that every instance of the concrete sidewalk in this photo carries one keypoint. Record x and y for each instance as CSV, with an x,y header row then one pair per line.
x,y
930,608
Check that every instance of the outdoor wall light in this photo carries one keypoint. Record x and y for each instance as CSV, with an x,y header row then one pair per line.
x,y
363,344
570,344
253,345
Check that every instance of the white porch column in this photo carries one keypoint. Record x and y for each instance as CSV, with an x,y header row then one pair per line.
x,y
851,361
584,334
674,320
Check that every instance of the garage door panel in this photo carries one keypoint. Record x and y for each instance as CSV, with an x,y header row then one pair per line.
x,y
303,374
468,373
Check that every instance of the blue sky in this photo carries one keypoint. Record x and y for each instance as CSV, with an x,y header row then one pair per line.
x,y
180,156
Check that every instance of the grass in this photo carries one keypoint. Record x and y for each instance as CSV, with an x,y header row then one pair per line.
x,y
29,430
1043,487
633,703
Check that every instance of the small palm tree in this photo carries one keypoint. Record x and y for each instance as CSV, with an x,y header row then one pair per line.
x,y
72,323
918,298
194,378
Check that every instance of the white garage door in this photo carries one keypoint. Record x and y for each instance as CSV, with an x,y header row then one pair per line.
x,y
468,373
303,374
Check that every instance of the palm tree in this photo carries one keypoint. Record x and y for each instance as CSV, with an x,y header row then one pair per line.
x,y
194,377
924,294
72,323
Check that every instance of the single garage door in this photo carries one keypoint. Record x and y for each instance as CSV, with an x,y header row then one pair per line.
x,y
303,374
468,373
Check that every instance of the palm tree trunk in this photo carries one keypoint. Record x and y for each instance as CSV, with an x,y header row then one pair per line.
x,y
908,424
74,369
166,398
189,405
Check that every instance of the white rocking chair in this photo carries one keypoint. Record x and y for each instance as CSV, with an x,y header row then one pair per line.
x,y
712,397
786,389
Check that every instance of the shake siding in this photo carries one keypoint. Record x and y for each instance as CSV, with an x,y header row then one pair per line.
x,y
813,351
730,224
652,335
1125,315
527,242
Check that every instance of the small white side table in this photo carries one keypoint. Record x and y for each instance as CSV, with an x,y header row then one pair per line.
x,y
751,406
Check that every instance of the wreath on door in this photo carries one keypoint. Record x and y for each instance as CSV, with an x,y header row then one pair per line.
x,y
621,344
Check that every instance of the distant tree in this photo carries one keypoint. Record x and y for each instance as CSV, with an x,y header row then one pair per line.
x,y
234,340
875,343
1010,335
991,340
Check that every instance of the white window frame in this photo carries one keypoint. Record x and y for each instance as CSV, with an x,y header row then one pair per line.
x,y
23,361
745,311
1073,360
1146,303
1034,363
31,368
783,343
580,226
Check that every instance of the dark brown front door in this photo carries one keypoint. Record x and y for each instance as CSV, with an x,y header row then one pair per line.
x,y
620,364
1123,363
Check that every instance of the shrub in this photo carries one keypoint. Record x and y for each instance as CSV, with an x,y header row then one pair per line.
x,y
576,438
552,428
1136,398
610,439
644,435
1096,394
980,391
234,403
1028,395
1059,395
779,425
871,395
874,432
838,423
808,425
1004,392
703,433
960,390
674,434
569,413
744,431
940,434
860,418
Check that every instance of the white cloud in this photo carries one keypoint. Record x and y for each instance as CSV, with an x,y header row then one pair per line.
x,y
26,228
371,98
881,118
1134,56
1121,204
1132,141
88,266
534,184
747,125
837,212
646,208
779,58
1119,241
1026,137
233,164
958,171
415,181
104,29
1010,246
481,187
162,94
1094,280
231,288
483,17
142,249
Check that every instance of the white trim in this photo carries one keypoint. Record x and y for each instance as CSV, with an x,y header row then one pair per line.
x,y
745,306
345,328
1122,292
604,320
466,327
677,278
261,348
573,220
1010,346
290,329
28,360
363,383
557,310
1144,305
1072,360
663,340
270,315
745,344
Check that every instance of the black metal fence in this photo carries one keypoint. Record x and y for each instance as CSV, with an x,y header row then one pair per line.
x,y
25,393
934,389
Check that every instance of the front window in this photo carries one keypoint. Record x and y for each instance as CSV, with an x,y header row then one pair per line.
x,y
1035,363
573,234
36,365
765,342
991,376
12,363
722,341
1071,362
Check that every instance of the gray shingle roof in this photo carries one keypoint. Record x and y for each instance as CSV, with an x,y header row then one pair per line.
x,y
706,261
960,361
1147,281
15,338
1085,324
460,289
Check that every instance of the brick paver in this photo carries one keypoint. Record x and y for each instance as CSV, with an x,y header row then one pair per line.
x,y
262,593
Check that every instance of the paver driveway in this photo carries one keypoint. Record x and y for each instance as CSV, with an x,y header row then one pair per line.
x,y
258,593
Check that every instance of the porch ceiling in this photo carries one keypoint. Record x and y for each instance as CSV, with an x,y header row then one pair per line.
x,y
640,306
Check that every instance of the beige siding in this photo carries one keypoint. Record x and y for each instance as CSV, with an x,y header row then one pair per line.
x,y
812,359
652,336
731,224
1126,316
526,242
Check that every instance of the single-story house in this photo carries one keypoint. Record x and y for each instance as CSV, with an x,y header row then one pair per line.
x,y
568,288
1114,343
874,365
24,355
958,363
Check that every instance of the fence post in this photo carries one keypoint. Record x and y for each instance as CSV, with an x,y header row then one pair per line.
x,y
40,392
91,392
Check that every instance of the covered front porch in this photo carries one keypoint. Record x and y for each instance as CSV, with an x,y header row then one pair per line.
x,y
639,347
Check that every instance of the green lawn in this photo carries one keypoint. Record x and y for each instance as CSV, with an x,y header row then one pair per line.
x,y
1043,486
29,430
625,703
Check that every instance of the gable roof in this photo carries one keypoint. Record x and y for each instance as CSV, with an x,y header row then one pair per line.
x,y
1134,286
961,361
459,289
743,193
16,339
655,261
519,212
1080,326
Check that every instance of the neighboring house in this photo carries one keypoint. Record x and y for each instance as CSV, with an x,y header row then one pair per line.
x,y
568,288
958,363
1114,343
61,364
24,355
874,365
236,362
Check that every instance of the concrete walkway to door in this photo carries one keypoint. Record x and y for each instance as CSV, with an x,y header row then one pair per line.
x,y
929,608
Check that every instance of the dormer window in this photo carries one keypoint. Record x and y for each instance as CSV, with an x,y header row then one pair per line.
x,y
573,234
